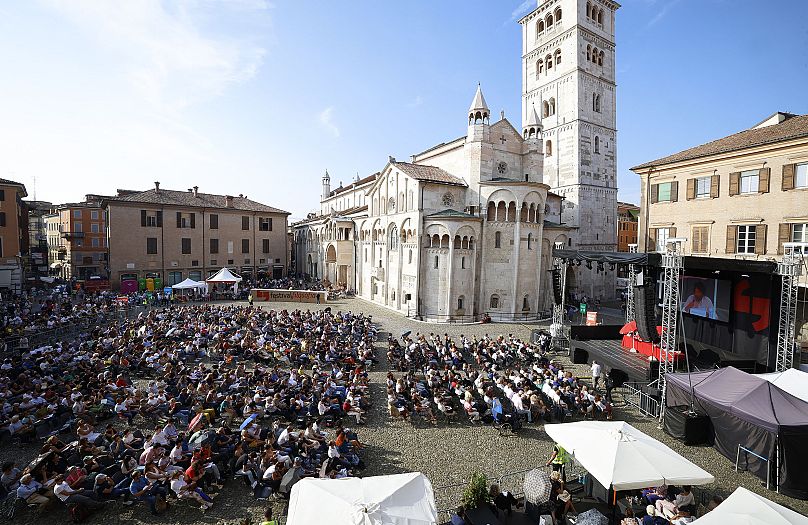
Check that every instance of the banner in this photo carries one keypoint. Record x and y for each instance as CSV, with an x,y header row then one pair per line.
x,y
290,296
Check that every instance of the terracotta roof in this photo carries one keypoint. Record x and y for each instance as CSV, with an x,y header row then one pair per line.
x,y
450,213
342,214
14,183
429,174
791,128
369,178
186,199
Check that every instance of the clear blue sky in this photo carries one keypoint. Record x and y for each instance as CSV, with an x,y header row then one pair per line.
x,y
252,97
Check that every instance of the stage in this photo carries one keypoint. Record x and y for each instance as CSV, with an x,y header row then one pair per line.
x,y
610,354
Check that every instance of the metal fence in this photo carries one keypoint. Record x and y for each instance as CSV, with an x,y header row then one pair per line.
x,y
634,396
494,317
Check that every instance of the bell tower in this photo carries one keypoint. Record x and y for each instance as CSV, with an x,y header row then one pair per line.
x,y
326,186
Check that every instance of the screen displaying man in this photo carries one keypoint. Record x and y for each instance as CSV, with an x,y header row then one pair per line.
x,y
698,303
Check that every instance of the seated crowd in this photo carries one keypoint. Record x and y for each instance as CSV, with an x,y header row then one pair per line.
x,y
181,400
485,378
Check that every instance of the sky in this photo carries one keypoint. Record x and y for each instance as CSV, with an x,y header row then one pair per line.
x,y
259,98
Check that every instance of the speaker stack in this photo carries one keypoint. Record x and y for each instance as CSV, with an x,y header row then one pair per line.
x,y
645,311
558,292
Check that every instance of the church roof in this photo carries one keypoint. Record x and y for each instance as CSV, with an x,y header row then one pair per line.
x,y
793,127
200,200
355,184
479,101
452,214
429,174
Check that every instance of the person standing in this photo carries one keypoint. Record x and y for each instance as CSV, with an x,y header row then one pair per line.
x,y
558,460
597,371
250,298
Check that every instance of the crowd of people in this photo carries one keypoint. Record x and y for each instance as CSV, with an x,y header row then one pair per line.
x,y
173,404
489,379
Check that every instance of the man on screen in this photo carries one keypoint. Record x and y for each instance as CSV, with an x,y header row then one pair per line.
x,y
699,302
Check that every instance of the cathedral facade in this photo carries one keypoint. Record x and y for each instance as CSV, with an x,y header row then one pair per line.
x,y
466,228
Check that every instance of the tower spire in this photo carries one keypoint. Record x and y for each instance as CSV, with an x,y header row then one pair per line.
x,y
532,127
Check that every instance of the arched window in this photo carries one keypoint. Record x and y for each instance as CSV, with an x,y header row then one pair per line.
x,y
558,15
548,61
393,295
529,241
557,57
539,27
394,238
409,257
597,144
548,148
436,262
545,111
549,21
588,10
539,67
462,263
595,102
600,16
526,303
498,240
588,52
594,55
552,106
494,301
460,302
600,58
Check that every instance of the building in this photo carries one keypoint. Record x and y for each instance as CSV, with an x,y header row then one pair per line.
x,y
464,229
161,237
77,240
568,67
740,196
13,234
627,223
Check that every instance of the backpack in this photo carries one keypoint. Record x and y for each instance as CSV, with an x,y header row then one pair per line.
x,y
78,512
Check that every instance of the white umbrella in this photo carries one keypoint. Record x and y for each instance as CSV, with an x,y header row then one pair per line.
x,y
401,499
620,456
537,487
744,507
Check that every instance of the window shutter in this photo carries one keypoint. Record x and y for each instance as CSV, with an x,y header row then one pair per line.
x,y
652,235
675,191
691,189
715,180
735,183
765,176
788,176
760,239
143,217
732,242
654,193
671,232
179,220
159,219
783,236
193,220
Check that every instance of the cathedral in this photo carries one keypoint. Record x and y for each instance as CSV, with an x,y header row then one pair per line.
x,y
465,229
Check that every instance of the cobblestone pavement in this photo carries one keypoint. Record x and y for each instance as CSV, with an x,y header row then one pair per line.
x,y
448,454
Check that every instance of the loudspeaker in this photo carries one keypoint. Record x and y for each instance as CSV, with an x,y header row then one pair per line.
x,y
645,311
697,430
558,292
653,370
580,357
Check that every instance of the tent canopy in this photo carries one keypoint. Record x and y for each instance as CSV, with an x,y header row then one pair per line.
x,y
746,396
224,276
188,284
793,381
744,507
401,499
620,456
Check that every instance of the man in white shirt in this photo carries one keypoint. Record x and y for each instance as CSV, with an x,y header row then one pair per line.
x,y
518,405
69,496
597,370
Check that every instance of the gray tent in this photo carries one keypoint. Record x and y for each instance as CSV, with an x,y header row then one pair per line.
x,y
750,412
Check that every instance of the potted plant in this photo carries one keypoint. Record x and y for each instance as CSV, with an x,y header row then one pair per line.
x,y
476,493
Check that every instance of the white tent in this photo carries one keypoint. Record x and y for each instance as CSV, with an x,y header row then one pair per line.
x,y
224,276
400,499
744,507
620,456
190,284
793,381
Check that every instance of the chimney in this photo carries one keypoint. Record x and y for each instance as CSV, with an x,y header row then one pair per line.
x,y
196,191
228,201
157,185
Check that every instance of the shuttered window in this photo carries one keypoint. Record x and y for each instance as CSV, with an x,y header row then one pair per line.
x,y
151,245
700,242
186,246
801,176
750,181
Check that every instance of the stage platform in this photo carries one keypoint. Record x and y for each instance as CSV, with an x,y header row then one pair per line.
x,y
612,355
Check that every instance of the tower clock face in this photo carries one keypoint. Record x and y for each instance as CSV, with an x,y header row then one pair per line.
x,y
448,199
502,167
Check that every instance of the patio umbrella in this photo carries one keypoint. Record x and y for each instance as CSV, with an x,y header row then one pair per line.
x,y
537,487
201,437
252,417
592,517
406,334
291,477
195,421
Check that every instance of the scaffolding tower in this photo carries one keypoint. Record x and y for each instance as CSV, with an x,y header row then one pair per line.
x,y
672,263
557,330
632,282
789,269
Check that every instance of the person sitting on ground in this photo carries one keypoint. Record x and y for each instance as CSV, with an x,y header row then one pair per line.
x,y
503,500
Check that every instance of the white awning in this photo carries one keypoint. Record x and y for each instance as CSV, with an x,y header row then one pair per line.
x,y
224,276
744,507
